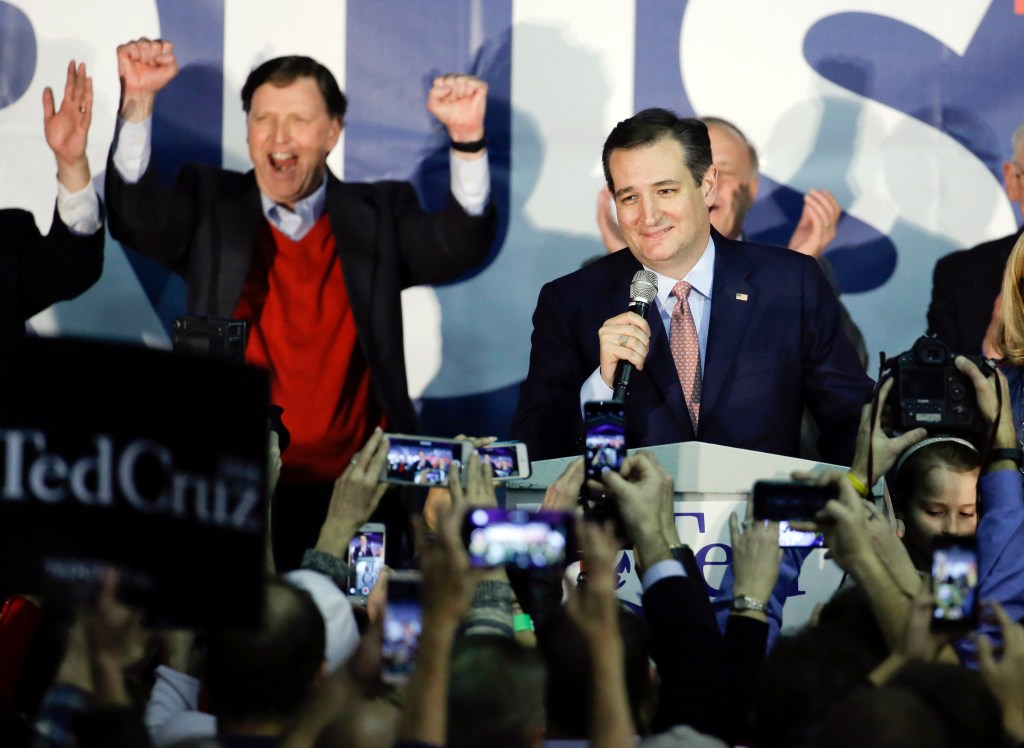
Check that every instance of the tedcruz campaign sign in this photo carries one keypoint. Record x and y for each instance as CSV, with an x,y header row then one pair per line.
x,y
152,462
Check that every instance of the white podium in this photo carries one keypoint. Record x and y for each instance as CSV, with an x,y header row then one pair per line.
x,y
711,482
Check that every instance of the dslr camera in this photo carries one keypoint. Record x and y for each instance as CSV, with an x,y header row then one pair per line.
x,y
930,392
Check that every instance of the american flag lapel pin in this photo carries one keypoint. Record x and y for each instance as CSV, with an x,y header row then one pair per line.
x,y
741,297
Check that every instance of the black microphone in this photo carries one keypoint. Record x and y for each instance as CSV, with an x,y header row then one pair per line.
x,y
642,291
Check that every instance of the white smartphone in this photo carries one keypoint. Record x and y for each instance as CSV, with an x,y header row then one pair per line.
x,y
365,559
509,460
421,460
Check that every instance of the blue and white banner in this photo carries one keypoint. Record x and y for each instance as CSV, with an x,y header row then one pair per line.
x,y
904,110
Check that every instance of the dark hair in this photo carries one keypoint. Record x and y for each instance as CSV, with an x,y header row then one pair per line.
x,y
496,693
803,677
646,128
909,475
570,673
282,71
267,673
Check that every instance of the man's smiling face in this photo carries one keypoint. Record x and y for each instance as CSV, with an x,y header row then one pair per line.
x,y
662,213
290,134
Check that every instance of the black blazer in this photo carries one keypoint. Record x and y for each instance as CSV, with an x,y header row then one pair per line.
x,y
37,271
775,342
964,288
206,227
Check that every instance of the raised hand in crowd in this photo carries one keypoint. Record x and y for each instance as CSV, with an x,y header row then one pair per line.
x,y
918,642
563,494
356,494
67,128
854,530
884,449
643,491
594,608
1005,677
994,405
439,500
460,102
817,225
448,585
145,66
756,557
105,639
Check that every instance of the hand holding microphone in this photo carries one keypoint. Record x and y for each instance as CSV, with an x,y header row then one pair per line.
x,y
625,338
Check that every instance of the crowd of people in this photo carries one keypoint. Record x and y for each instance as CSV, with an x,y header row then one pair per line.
x,y
746,345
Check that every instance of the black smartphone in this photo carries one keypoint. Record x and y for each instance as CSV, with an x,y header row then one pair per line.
x,y
403,622
605,436
954,583
529,540
422,461
509,460
791,501
365,559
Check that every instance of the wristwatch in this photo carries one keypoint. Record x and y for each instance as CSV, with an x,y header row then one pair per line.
x,y
741,603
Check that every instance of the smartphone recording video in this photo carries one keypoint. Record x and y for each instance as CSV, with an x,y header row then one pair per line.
x,y
508,460
403,622
954,583
365,559
420,461
790,538
605,440
529,540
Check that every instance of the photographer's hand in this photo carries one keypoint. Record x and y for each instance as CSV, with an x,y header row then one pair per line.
x,y
885,449
989,406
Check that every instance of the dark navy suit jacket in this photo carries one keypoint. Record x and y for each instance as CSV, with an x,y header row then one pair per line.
x,y
775,342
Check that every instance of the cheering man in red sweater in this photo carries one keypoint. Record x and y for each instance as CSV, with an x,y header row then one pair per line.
x,y
313,264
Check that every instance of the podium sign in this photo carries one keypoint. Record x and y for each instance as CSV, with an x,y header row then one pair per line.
x,y
146,460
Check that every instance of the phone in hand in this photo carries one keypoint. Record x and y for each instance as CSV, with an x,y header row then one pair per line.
x,y
791,501
792,538
529,540
403,623
508,460
605,436
366,559
422,461
955,583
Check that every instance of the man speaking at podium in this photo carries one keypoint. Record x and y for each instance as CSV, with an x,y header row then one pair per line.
x,y
739,337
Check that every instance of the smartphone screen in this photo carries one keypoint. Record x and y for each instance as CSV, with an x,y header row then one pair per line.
x,y
605,440
365,559
790,538
528,540
507,459
403,622
419,461
954,582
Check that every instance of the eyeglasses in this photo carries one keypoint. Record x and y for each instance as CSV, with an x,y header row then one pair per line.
x,y
1018,170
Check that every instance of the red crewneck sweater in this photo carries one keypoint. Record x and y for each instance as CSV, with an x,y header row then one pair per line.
x,y
301,328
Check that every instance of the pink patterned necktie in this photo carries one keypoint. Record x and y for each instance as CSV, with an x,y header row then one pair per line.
x,y
685,348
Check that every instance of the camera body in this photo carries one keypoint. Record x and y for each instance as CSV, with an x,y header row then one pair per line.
x,y
930,392
216,337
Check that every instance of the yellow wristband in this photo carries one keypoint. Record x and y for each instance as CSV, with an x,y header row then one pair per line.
x,y
857,485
